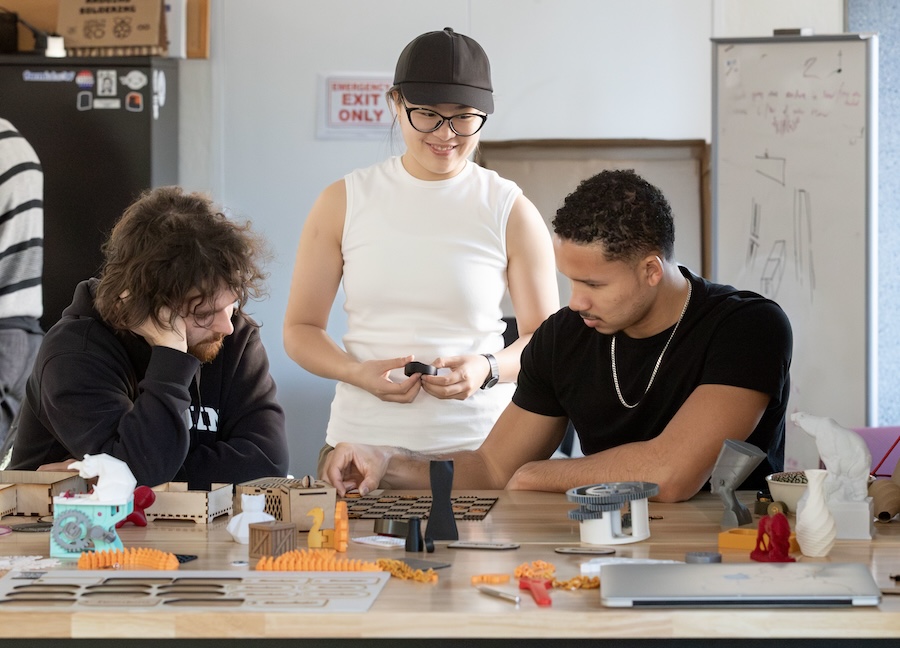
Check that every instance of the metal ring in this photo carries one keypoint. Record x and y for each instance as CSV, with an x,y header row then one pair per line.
x,y
395,528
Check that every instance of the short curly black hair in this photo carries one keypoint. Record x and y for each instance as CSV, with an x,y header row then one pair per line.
x,y
621,210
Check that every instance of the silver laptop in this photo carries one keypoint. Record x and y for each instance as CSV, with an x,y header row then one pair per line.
x,y
812,584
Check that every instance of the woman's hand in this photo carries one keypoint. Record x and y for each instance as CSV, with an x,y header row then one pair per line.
x,y
466,376
373,376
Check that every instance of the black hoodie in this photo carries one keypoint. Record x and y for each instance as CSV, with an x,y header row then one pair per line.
x,y
94,390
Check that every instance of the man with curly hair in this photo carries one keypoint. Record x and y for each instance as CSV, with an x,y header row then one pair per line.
x,y
654,366
120,373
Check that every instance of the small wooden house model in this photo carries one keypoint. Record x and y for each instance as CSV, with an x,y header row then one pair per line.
x,y
291,500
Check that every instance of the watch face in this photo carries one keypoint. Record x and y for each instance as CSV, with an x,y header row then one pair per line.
x,y
490,383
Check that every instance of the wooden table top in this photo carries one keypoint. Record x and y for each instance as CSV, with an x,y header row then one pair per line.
x,y
453,608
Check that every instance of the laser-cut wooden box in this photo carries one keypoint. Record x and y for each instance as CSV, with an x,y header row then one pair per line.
x,y
288,500
35,489
175,502
7,500
271,538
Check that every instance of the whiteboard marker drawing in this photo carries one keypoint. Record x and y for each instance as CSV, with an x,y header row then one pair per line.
x,y
753,243
773,270
770,167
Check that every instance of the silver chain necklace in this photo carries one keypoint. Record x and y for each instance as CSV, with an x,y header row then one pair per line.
x,y
612,351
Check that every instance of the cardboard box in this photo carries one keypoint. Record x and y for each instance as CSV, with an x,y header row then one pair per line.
x,y
288,500
113,27
175,502
44,15
35,489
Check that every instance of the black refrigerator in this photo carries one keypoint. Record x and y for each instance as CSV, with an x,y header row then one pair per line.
x,y
105,130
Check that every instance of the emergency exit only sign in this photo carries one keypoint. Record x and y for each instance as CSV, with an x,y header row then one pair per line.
x,y
355,106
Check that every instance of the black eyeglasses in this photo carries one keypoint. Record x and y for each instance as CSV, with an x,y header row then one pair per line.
x,y
426,120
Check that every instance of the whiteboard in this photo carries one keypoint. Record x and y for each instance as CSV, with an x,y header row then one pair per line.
x,y
795,205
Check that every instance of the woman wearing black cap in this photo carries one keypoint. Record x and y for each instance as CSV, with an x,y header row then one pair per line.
x,y
426,244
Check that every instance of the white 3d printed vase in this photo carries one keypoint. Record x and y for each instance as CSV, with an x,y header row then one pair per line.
x,y
816,529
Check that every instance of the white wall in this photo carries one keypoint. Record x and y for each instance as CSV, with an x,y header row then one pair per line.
x,y
562,69
739,18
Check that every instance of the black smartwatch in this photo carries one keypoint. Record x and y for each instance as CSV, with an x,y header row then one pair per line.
x,y
494,377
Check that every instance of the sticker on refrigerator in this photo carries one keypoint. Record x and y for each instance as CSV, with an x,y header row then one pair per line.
x,y
134,80
106,83
84,79
48,76
134,102
159,92
107,104
85,100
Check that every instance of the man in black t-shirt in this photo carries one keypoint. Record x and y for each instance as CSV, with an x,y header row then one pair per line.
x,y
655,367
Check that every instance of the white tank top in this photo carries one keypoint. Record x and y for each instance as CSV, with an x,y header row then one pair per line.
x,y
424,274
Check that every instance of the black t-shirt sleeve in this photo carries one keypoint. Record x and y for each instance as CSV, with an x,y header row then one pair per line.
x,y
751,348
535,391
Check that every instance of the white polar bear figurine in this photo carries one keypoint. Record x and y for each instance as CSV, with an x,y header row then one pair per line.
x,y
115,481
845,455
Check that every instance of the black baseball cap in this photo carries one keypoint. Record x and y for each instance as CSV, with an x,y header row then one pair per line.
x,y
445,67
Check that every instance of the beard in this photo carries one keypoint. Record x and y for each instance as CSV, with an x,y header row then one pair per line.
x,y
207,350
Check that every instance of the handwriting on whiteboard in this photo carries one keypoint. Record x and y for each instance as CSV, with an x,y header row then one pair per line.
x,y
818,91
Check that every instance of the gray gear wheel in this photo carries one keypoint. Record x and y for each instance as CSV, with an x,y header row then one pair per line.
x,y
70,530
582,514
599,497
